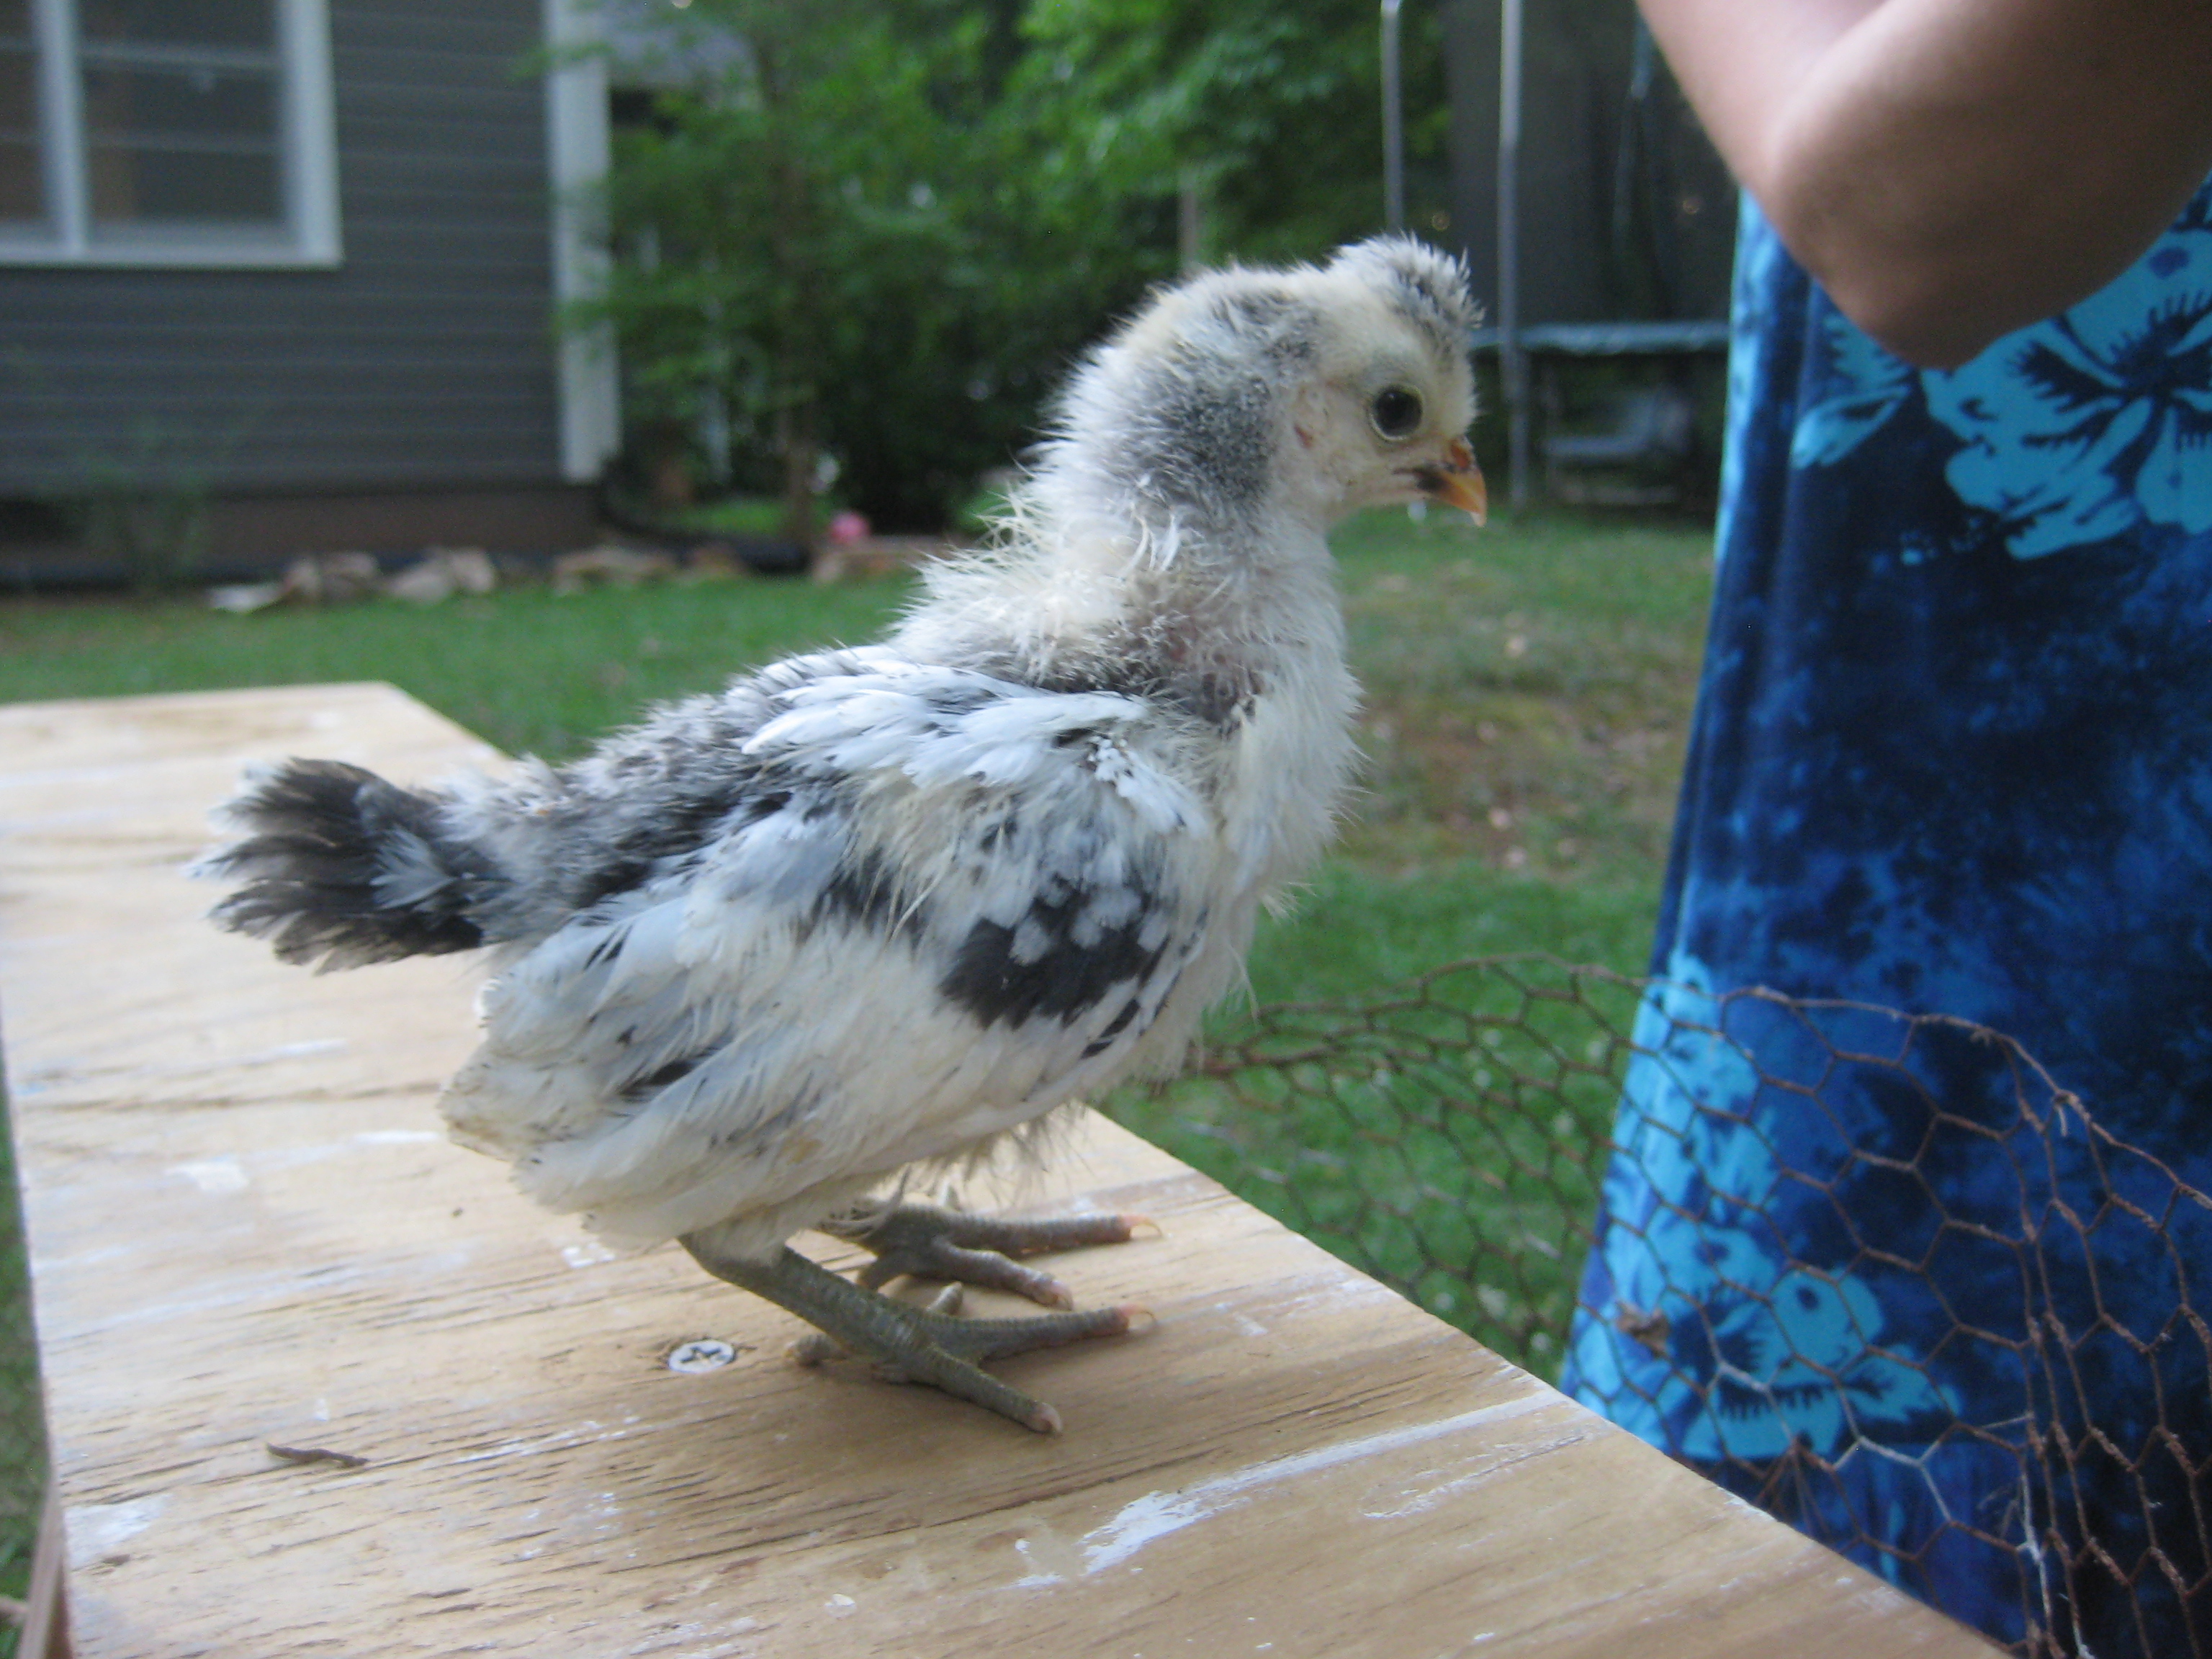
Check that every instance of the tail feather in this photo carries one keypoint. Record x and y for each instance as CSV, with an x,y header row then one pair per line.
x,y
339,868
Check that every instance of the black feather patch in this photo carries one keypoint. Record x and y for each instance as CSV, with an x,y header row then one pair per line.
x,y
324,838
1059,976
631,859
675,1072
1099,1044
866,889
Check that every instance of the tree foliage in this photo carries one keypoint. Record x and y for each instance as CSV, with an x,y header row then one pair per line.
x,y
880,232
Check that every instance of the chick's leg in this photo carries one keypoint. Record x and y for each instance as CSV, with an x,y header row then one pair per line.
x,y
909,1344
928,1241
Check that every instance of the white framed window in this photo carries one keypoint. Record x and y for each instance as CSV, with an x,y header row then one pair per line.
x,y
166,132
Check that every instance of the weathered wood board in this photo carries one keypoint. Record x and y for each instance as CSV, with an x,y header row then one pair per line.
x,y
246,1228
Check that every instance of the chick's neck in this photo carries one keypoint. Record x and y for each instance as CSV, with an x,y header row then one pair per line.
x,y
1116,587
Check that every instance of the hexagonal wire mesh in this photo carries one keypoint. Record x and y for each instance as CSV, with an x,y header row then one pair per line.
x,y
1451,1137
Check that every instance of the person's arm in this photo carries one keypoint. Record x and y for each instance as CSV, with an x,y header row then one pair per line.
x,y
1950,170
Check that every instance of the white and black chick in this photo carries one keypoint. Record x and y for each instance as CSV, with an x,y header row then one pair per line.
x,y
878,908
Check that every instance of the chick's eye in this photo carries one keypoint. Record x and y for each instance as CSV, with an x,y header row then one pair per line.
x,y
1396,413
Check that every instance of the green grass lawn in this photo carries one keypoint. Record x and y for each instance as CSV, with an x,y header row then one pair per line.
x,y
1528,694
22,1466
527,668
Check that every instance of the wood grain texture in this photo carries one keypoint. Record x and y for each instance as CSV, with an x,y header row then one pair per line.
x,y
247,1229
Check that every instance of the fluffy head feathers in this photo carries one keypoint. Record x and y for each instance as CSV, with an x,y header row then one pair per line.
x,y
1246,397
1428,287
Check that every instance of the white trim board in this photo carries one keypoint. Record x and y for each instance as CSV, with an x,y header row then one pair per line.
x,y
577,156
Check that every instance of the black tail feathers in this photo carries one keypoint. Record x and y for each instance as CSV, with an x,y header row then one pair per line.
x,y
339,869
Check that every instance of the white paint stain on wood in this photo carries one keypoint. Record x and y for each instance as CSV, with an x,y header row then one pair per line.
x,y
214,1175
1157,1515
98,1531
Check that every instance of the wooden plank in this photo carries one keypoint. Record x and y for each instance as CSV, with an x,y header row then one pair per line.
x,y
247,1229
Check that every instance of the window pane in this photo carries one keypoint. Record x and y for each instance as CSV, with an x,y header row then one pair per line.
x,y
196,108
22,188
249,25
22,183
191,144
19,91
145,186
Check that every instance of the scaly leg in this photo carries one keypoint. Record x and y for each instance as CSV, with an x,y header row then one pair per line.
x,y
929,1241
911,1344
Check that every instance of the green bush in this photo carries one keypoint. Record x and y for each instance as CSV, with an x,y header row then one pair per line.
x,y
879,232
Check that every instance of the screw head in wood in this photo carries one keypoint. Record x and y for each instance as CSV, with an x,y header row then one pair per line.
x,y
704,1353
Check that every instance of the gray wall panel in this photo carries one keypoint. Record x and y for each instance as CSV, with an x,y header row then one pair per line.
x,y
425,360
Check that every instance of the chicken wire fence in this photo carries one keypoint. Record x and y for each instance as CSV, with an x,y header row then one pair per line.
x,y
1820,1328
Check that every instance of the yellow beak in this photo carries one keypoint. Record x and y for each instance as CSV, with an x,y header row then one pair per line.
x,y
1459,482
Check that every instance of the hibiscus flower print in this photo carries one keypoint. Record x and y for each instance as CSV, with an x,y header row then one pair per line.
x,y
1734,1349
1854,387
2088,426
1798,1362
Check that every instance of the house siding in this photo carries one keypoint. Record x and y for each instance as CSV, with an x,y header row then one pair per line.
x,y
424,361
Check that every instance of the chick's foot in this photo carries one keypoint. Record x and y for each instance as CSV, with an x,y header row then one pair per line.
x,y
906,1343
929,1241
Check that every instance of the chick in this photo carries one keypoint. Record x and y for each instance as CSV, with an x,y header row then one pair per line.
x,y
878,908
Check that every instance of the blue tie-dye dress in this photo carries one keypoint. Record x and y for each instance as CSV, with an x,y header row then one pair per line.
x,y
1953,754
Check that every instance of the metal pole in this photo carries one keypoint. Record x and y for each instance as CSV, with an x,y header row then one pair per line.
x,y
1512,361
1393,125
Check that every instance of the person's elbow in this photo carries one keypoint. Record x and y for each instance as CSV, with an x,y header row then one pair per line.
x,y
1926,289
1938,276
1940,304
1921,312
